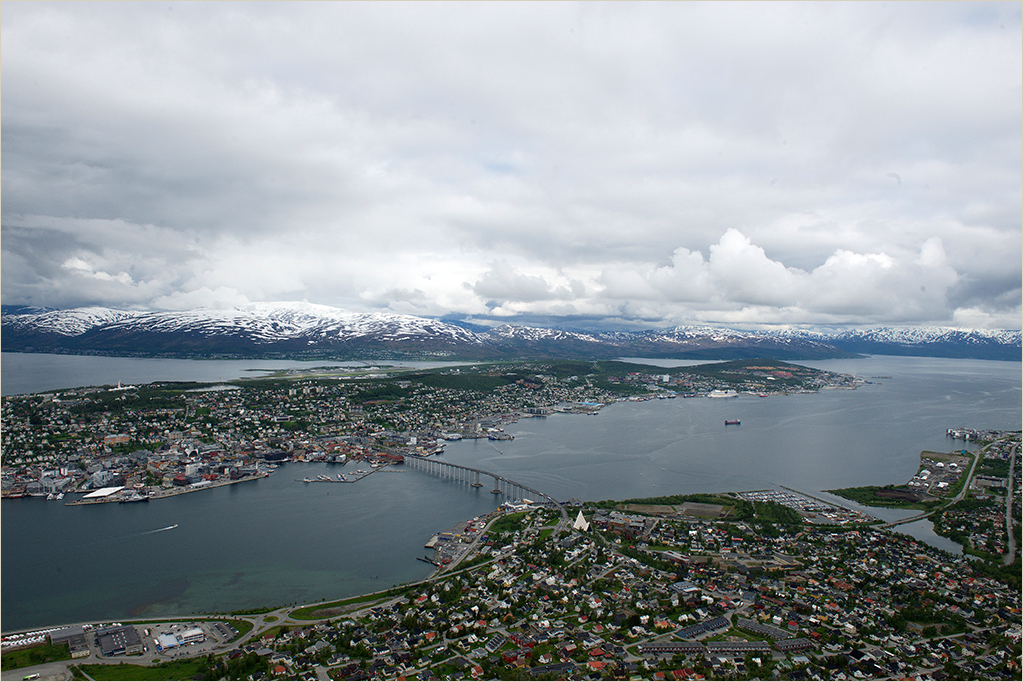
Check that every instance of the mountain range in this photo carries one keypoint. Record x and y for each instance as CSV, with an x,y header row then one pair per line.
x,y
310,330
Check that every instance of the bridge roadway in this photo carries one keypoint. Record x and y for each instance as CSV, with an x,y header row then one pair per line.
x,y
472,476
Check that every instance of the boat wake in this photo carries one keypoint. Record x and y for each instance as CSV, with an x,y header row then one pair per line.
x,y
159,530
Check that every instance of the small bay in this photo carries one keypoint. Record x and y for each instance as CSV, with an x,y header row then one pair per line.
x,y
278,541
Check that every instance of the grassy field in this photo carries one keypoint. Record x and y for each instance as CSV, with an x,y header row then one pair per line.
x,y
509,523
867,496
172,670
242,626
41,653
650,508
320,611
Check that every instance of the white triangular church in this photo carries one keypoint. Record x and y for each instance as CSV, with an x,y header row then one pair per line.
x,y
581,523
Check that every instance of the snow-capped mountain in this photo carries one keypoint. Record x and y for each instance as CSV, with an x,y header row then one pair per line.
x,y
930,341
64,322
305,329
713,343
272,324
265,329
518,333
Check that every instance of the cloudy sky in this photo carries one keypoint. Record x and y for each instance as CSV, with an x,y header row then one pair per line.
x,y
581,164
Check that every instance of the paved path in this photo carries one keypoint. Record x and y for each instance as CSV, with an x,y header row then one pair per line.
x,y
977,457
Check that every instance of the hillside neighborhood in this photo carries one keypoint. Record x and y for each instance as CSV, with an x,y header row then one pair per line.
x,y
609,594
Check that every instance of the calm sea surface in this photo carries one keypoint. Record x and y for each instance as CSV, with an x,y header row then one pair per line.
x,y
22,373
279,541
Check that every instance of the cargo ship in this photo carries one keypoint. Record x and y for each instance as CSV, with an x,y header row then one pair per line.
x,y
731,422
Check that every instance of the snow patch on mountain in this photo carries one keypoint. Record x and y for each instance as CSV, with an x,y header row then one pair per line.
x,y
263,323
67,322
915,335
312,326
520,333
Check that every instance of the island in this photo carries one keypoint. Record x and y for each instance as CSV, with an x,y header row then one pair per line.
x,y
141,443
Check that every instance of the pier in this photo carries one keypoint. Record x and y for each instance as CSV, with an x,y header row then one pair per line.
x,y
471,476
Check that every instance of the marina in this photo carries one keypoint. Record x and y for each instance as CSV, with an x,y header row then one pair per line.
x,y
341,478
814,510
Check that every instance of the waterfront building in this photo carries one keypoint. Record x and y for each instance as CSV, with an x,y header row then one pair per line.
x,y
119,640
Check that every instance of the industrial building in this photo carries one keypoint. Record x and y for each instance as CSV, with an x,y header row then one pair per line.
x,y
192,636
164,642
75,638
117,641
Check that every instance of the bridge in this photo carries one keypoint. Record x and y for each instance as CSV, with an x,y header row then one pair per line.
x,y
471,476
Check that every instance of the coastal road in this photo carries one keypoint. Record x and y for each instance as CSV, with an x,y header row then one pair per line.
x,y
969,476
978,456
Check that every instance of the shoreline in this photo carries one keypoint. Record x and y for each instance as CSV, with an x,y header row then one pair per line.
x,y
160,494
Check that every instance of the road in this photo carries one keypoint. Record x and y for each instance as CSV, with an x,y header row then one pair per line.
x,y
978,456
969,476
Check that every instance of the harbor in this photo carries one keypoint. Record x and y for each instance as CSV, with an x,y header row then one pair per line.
x,y
356,476
120,494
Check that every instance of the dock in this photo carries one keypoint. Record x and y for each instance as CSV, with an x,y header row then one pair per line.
x,y
349,478
159,494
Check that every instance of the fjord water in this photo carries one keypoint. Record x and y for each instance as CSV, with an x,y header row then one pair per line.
x,y
36,372
270,542
810,442
277,541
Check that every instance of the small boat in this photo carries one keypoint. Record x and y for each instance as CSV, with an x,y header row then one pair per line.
x,y
325,479
307,480
731,422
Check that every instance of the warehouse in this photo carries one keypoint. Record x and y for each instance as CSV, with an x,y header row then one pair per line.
x,y
164,642
116,641
75,638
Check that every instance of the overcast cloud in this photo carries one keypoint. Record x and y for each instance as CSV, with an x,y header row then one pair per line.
x,y
599,164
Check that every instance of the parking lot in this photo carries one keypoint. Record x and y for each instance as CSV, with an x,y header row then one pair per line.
x,y
162,632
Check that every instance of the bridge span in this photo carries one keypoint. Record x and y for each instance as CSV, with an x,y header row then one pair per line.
x,y
471,476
